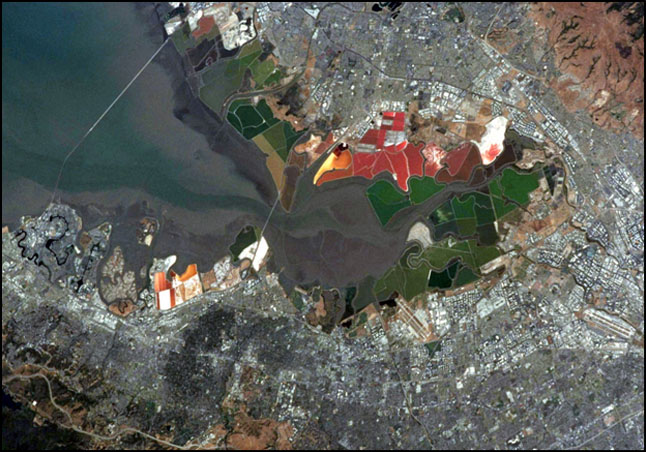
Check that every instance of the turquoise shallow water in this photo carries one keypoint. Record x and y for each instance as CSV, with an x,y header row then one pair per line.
x,y
62,65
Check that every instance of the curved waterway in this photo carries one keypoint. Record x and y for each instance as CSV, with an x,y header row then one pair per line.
x,y
160,152
63,64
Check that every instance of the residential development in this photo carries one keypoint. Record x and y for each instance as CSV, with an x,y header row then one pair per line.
x,y
422,227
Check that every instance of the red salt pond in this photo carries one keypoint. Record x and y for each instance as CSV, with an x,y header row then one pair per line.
x,y
386,149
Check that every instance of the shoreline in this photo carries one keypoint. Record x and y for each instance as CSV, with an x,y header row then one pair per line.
x,y
320,240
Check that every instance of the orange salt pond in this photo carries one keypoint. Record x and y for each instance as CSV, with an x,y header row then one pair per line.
x,y
337,160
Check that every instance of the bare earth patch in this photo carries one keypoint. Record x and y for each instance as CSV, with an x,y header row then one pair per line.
x,y
600,53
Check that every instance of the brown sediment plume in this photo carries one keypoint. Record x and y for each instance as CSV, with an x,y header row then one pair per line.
x,y
291,175
298,160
